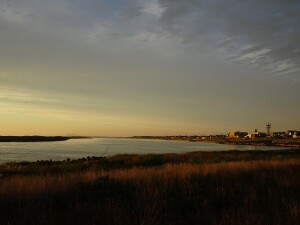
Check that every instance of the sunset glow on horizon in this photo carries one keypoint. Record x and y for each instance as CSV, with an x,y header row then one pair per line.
x,y
148,67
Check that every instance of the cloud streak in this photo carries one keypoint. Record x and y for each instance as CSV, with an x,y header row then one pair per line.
x,y
270,29
9,94
182,60
260,33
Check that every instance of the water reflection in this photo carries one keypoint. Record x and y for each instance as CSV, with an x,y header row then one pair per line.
x,y
79,148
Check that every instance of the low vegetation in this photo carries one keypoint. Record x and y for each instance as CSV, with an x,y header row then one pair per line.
x,y
263,141
32,138
291,142
254,187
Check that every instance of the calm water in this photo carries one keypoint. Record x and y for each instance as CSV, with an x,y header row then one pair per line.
x,y
79,148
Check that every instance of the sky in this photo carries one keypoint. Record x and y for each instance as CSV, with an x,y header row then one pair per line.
x,y
148,67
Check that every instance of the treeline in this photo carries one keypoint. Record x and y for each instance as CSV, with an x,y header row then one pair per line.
x,y
32,138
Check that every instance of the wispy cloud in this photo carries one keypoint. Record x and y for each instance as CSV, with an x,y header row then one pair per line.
x,y
270,27
21,95
152,60
260,24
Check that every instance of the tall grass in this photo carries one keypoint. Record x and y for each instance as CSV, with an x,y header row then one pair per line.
x,y
233,192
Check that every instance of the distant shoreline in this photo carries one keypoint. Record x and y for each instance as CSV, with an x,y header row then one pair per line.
x,y
37,138
290,142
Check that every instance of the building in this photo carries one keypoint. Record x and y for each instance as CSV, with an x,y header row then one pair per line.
x,y
257,134
293,134
220,136
237,134
280,134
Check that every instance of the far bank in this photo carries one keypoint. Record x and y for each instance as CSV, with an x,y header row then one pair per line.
x,y
280,142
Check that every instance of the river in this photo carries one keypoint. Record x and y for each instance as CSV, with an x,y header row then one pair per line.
x,y
79,148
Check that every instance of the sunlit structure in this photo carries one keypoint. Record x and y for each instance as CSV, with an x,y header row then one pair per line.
x,y
268,126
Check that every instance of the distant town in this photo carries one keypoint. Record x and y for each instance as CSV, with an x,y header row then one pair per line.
x,y
280,138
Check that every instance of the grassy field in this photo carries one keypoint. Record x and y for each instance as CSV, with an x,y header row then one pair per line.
x,y
254,187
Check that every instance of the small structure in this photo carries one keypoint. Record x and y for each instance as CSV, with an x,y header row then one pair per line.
x,y
293,134
248,136
280,134
257,134
237,134
268,126
220,136
261,135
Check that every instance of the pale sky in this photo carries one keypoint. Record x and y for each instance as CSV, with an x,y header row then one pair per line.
x,y
148,67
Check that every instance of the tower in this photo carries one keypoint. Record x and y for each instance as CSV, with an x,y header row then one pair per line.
x,y
268,126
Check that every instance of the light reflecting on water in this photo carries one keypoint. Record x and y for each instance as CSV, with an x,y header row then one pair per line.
x,y
79,148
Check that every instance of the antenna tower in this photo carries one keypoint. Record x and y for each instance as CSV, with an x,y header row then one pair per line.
x,y
268,129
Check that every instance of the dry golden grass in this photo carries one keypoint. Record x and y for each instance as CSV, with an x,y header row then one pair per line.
x,y
255,192
187,170
35,184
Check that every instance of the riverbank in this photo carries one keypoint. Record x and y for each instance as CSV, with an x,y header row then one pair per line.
x,y
228,188
284,142
37,138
